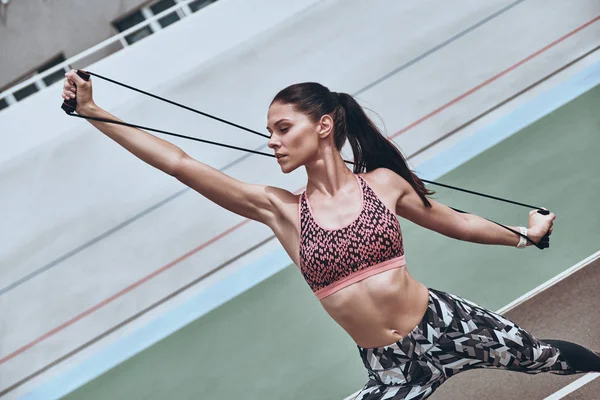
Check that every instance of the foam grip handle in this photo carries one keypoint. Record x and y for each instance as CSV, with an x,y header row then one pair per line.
x,y
544,241
70,104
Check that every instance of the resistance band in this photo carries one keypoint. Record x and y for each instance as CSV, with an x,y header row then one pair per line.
x,y
70,105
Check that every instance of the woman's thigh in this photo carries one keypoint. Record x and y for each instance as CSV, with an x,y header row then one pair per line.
x,y
480,338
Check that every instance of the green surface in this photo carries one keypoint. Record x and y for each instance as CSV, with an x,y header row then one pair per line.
x,y
275,342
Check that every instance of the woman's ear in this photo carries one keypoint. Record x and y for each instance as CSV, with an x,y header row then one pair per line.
x,y
325,127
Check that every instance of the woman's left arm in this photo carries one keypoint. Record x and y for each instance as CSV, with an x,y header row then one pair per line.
x,y
467,227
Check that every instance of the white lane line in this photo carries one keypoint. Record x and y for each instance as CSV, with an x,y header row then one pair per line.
x,y
573,386
553,281
550,282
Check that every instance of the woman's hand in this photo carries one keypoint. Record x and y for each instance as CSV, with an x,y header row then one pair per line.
x,y
79,89
539,225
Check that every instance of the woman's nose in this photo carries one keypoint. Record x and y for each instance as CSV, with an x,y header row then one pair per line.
x,y
273,143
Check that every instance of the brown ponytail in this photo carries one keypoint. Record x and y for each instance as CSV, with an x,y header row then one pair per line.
x,y
370,148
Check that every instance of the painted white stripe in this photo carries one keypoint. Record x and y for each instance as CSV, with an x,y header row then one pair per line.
x,y
553,281
584,380
550,282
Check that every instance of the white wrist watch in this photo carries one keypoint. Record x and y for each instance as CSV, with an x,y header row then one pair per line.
x,y
522,241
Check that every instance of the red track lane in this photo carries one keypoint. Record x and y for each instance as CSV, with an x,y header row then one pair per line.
x,y
239,225
121,293
493,78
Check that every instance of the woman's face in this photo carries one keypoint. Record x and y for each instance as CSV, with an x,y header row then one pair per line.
x,y
294,136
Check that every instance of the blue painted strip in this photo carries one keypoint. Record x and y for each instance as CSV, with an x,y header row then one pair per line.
x,y
496,132
162,327
256,272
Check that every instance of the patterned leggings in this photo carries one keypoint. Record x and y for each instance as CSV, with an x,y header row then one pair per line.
x,y
454,335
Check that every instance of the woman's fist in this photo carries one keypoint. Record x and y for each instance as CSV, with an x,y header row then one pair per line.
x,y
78,89
540,225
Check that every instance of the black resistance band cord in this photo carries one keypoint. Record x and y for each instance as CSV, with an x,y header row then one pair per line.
x,y
69,107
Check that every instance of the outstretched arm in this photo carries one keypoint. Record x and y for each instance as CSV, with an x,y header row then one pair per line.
x,y
248,200
466,227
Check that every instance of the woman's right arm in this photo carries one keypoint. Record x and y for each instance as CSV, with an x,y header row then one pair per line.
x,y
256,202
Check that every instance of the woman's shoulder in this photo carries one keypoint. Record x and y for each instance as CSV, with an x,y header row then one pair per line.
x,y
386,182
282,197
285,205
383,176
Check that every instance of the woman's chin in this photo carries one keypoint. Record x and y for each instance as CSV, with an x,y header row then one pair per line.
x,y
286,169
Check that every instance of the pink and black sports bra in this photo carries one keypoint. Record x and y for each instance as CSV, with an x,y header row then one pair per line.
x,y
331,259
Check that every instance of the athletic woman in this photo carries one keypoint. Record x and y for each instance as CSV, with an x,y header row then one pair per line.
x,y
343,234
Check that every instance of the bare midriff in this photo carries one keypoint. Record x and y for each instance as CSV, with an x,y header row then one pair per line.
x,y
380,309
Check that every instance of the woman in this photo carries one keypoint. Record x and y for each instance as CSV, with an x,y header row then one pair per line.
x,y
344,235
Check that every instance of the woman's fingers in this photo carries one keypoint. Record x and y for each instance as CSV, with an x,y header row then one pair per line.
x,y
69,88
78,88
69,85
67,94
74,78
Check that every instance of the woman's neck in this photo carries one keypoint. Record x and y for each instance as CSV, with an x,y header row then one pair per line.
x,y
329,174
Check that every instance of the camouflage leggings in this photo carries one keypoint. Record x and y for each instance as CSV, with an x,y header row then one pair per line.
x,y
454,335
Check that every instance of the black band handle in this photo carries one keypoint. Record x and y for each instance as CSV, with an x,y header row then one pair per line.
x,y
70,104
544,242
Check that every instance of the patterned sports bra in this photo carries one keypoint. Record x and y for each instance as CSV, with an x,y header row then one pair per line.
x,y
331,259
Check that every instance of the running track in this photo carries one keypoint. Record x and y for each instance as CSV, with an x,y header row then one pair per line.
x,y
233,228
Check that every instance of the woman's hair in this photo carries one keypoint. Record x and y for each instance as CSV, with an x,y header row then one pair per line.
x,y
370,148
